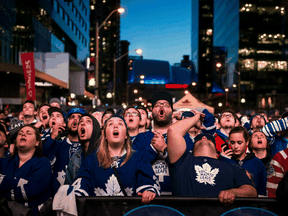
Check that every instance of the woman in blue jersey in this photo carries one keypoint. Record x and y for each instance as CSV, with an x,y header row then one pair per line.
x,y
239,140
26,176
97,177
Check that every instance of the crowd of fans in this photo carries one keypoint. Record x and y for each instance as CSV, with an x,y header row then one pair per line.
x,y
51,153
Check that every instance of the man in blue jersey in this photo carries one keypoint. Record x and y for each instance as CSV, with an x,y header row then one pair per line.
x,y
153,143
62,148
200,173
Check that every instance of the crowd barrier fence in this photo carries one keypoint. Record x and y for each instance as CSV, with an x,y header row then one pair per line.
x,y
179,206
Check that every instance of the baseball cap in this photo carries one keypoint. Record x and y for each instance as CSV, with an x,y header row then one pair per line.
x,y
162,95
56,109
75,110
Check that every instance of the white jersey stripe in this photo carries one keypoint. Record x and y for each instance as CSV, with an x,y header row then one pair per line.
x,y
271,185
279,175
283,154
23,193
276,163
12,195
147,186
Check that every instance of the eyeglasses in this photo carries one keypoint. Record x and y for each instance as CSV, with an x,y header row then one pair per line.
x,y
226,115
132,114
166,105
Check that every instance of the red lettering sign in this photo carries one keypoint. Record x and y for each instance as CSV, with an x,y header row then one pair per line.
x,y
29,74
176,86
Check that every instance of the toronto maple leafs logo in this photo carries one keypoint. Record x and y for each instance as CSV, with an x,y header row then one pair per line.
x,y
115,163
112,188
160,168
205,174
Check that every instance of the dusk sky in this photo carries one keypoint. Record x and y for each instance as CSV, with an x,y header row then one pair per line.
x,y
161,28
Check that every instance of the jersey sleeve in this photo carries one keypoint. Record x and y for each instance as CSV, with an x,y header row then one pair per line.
x,y
82,184
275,173
143,144
49,147
209,122
271,129
27,190
146,179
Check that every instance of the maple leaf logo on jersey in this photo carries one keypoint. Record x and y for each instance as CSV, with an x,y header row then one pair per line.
x,y
205,174
112,188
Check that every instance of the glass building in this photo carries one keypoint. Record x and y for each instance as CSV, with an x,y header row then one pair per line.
x,y
254,34
41,26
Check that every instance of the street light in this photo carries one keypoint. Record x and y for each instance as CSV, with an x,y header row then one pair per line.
x,y
226,90
120,11
139,52
194,84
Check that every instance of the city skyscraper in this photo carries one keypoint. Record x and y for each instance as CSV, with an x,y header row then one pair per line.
x,y
254,34
109,42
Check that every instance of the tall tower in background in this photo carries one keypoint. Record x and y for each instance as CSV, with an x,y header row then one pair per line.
x,y
254,34
109,42
205,44
263,53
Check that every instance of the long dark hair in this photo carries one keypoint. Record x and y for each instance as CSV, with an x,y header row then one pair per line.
x,y
38,149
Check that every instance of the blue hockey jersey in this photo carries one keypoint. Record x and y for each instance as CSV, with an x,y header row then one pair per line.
x,y
256,169
59,154
30,184
136,176
159,162
204,176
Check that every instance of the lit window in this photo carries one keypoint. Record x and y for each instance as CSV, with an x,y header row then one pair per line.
x,y
248,64
209,32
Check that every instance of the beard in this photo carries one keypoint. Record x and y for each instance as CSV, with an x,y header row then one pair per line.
x,y
162,122
72,132
227,126
259,126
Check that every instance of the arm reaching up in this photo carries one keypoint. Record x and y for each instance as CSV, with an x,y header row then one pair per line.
x,y
176,144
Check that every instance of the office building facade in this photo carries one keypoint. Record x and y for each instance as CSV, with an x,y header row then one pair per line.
x,y
109,43
254,34
43,27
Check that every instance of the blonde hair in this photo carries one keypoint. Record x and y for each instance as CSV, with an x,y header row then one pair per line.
x,y
103,154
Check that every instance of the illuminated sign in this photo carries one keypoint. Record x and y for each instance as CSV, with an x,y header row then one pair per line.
x,y
176,86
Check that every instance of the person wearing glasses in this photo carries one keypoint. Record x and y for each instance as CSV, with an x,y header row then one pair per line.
x,y
132,117
227,121
154,143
